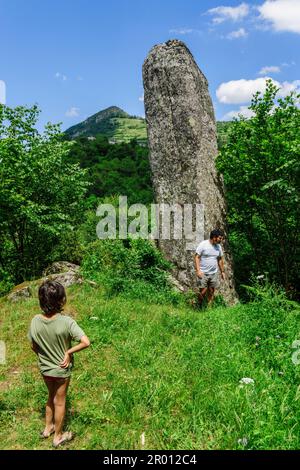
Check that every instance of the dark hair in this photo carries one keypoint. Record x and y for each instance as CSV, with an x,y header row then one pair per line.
x,y
52,297
216,233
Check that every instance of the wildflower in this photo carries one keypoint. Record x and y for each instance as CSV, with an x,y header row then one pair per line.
x,y
246,380
243,442
261,276
94,318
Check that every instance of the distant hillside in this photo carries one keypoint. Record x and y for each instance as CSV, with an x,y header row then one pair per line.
x,y
119,126
113,122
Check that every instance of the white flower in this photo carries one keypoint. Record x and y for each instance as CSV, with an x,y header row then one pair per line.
x,y
261,276
94,318
246,380
243,442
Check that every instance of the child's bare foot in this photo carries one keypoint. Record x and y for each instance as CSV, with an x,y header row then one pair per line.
x,y
65,437
47,432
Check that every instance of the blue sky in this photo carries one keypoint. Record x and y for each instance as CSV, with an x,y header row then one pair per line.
x,y
76,57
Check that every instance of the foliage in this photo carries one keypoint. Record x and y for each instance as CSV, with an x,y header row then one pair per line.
x,y
6,282
223,128
260,165
40,194
132,266
114,168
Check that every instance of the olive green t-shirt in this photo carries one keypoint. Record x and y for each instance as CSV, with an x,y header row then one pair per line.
x,y
53,337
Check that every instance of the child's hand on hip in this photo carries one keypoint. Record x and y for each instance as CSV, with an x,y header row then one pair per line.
x,y
66,362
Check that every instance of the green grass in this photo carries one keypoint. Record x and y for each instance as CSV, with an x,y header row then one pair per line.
x,y
169,372
127,129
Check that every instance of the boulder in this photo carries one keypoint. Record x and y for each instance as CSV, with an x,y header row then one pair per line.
x,y
60,267
20,292
67,279
64,272
182,140
61,271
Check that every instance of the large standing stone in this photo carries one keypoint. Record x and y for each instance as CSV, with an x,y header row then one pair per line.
x,y
183,145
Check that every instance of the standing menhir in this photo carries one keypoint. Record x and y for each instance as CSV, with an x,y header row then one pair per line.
x,y
183,146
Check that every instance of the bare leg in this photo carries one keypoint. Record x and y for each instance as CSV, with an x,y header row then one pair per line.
x,y
211,294
201,295
49,426
61,387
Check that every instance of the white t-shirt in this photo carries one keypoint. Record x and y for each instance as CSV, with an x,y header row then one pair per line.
x,y
209,256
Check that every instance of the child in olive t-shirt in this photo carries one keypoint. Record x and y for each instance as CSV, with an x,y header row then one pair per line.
x,y
51,334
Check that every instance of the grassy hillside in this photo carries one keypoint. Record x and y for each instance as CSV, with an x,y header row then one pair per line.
x,y
127,129
172,373
112,122
119,126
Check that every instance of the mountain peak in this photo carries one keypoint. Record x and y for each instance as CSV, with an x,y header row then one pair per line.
x,y
110,121
97,123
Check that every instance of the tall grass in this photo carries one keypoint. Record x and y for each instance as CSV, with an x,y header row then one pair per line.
x,y
167,371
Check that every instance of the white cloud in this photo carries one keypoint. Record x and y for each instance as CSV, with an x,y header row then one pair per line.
x,y
141,98
284,15
72,112
60,76
241,91
287,87
2,92
240,33
288,64
244,111
184,31
269,69
222,13
181,31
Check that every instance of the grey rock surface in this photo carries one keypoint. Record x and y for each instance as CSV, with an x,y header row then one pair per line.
x,y
182,139
67,279
64,272
60,267
61,271
20,292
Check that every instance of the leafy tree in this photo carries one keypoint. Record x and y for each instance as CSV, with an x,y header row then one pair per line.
x,y
40,194
261,169
114,168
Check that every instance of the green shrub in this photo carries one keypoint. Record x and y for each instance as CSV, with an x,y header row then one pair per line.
x,y
132,267
6,282
69,248
271,324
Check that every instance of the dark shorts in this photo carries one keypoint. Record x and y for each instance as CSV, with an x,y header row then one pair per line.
x,y
49,378
208,280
